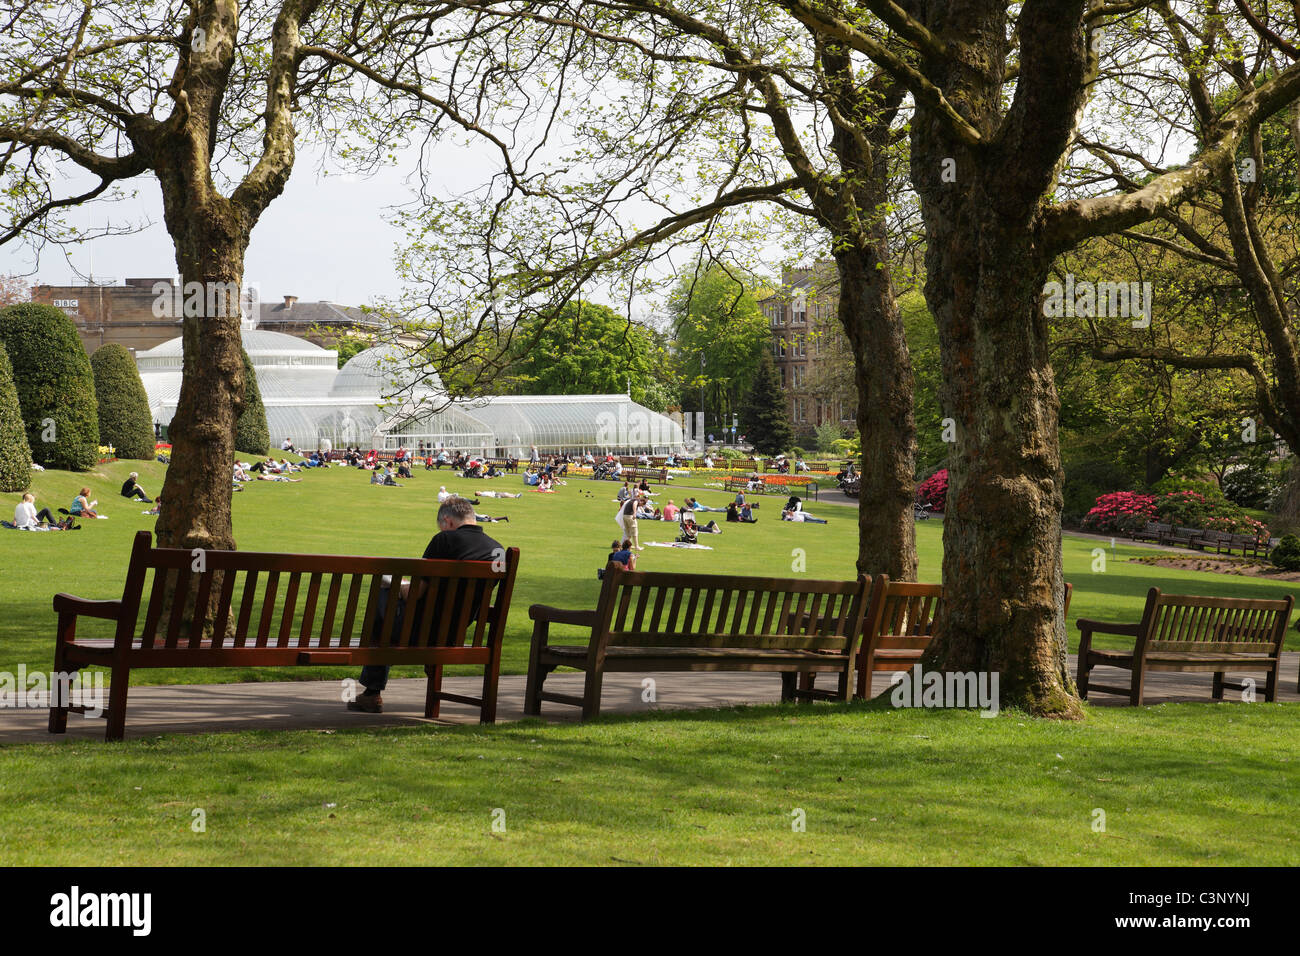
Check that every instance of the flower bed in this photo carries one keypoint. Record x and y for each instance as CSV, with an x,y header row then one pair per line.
x,y
107,453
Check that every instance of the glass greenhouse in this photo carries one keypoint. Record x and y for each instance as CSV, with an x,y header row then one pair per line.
x,y
372,403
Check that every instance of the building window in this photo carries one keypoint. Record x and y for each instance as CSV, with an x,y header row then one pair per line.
x,y
783,385
798,378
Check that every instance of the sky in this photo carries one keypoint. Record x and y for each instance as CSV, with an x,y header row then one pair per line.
x,y
324,238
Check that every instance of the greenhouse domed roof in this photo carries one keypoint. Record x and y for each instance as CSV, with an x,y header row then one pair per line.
x,y
380,371
263,348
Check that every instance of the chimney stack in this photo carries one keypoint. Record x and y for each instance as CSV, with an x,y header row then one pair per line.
x,y
289,300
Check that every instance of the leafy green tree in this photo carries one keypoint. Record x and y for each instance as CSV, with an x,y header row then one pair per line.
x,y
715,316
56,388
588,349
15,453
252,436
124,418
763,416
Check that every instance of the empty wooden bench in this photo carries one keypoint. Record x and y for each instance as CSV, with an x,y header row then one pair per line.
x,y
653,621
252,609
1181,632
898,627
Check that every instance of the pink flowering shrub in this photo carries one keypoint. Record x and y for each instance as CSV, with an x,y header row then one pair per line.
x,y
1120,511
934,490
1125,511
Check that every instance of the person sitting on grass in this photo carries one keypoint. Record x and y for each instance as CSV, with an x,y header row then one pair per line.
x,y
157,505
83,507
404,468
622,553
384,476
459,538
132,490
27,518
747,514
670,511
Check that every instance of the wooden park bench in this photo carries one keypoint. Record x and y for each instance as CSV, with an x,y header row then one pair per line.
x,y
898,627
805,488
654,621
1153,531
253,609
1180,632
505,464
649,475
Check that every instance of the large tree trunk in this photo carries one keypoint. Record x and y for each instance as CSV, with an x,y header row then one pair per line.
x,y
1003,589
883,375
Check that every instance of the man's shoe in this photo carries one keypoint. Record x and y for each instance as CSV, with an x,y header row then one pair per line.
x,y
367,704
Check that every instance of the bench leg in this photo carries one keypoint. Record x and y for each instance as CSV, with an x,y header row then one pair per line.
x,y
1217,692
789,684
488,712
1270,687
1138,685
120,678
59,715
591,695
433,690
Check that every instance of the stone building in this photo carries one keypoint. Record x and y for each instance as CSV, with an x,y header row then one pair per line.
x,y
144,312
812,357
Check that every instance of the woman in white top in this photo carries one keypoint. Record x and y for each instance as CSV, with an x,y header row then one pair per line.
x,y
27,518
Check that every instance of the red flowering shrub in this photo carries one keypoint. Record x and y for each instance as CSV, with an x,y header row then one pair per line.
x,y
1120,511
1126,511
934,490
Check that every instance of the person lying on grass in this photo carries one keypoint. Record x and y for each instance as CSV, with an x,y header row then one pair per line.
x,y
459,538
693,505
790,515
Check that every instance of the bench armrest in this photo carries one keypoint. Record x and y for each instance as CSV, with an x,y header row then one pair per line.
x,y
555,615
83,607
1106,627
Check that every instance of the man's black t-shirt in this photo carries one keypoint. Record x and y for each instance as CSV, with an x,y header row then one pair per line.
x,y
466,543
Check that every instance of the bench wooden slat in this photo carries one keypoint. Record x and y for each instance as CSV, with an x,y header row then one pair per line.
x,y
246,608
350,613
309,609
290,605
779,641
367,636
180,597
200,615
223,607
331,608
268,608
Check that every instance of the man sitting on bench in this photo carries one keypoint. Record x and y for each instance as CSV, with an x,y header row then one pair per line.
x,y
459,538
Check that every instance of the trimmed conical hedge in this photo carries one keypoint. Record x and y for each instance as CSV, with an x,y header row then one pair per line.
x,y
124,419
56,388
763,417
252,436
15,453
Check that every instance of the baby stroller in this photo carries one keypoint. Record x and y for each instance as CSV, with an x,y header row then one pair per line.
x,y
686,522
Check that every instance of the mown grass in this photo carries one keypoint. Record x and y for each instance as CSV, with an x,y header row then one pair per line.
x,y
876,786
563,539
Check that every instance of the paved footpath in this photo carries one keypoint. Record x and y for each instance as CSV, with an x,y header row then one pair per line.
x,y
318,705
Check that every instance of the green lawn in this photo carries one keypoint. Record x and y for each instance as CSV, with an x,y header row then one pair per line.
x,y
563,539
876,787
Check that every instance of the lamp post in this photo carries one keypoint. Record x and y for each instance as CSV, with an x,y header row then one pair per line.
x,y
702,428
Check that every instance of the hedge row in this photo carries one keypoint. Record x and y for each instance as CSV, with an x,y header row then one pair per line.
x,y
124,418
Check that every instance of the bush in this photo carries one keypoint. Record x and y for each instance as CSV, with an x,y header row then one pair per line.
x,y
1251,486
56,388
252,436
124,418
15,453
1121,511
730,453
1124,511
934,490
1287,553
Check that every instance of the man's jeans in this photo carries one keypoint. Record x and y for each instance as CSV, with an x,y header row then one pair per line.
x,y
374,677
